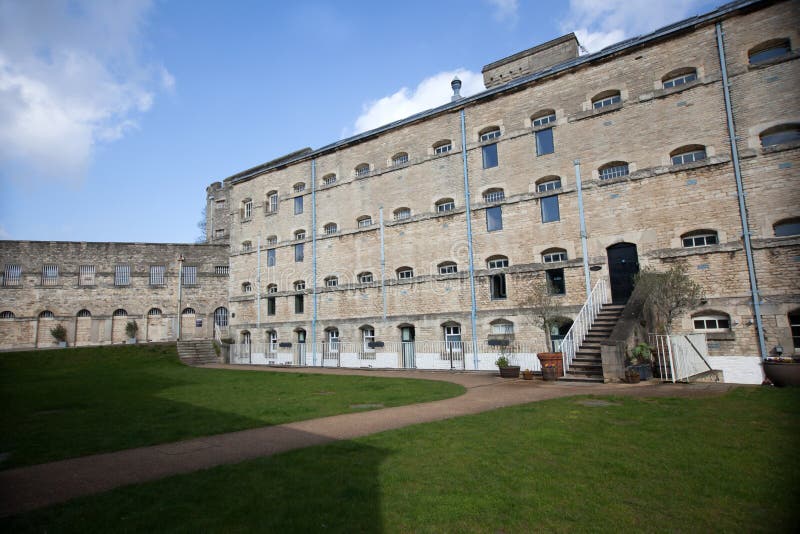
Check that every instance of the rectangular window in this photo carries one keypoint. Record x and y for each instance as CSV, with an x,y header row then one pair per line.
x,y
366,221
271,257
270,305
272,203
368,338
273,341
555,281
503,328
222,270
550,211
498,286
190,275
298,205
12,275
248,210
494,219
544,142
405,274
122,275
219,204
489,156
298,252
298,303
272,240
157,275
86,275
220,232
49,275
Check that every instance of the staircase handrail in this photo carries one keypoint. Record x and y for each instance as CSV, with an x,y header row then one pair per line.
x,y
583,322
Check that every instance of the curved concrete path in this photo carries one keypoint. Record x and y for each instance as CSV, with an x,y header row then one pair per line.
x,y
28,488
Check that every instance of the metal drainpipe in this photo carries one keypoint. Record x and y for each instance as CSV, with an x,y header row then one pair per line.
x,y
180,287
383,264
258,285
314,259
474,308
584,247
751,269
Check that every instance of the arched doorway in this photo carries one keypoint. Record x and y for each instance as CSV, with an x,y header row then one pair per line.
x,y
623,265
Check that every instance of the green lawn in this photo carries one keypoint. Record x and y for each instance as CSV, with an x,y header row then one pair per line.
x,y
656,465
65,403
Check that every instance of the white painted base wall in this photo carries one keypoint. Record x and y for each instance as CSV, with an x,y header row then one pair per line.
x,y
738,369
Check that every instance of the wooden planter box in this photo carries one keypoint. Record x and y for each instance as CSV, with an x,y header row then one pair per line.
x,y
783,373
552,358
512,371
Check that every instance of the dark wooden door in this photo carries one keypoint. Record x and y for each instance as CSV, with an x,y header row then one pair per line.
x,y
623,264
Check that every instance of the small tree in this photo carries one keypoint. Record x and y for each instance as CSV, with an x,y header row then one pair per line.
x,y
59,333
545,306
669,293
131,328
201,225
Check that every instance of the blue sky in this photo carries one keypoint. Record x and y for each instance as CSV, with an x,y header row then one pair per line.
x,y
115,115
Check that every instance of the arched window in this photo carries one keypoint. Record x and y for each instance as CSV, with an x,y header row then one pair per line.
x,y
679,77
447,267
272,339
299,187
778,135
711,322
367,338
554,255
688,154
244,337
272,288
299,285
452,336
153,312
488,134
495,194
120,313
84,313
329,179
330,228
7,314
402,213
271,204
404,273
246,211
362,170
188,311
365,277
699,238
401,158
502,327
247,287
787,227
543,117
606,98
442,147
364,221
271,240
221,316
299,235
47,314
332,336
548,183
497,262
613,169
332,281
769,50
444,205
247,246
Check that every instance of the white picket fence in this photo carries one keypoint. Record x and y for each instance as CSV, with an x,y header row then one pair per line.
x,y
432,355
680,357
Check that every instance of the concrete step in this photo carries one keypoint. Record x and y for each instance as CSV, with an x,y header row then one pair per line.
x,y
578,378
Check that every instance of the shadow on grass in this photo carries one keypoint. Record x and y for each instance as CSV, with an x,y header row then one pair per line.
x,y
320,489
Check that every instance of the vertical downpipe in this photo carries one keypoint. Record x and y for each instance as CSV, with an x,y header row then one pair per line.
x,y
751,270
258,285
584,246
474,308
314,259
383,264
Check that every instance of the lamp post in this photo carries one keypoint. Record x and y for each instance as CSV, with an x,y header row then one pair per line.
x,y
180,287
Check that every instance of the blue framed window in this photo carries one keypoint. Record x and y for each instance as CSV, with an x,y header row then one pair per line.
x,y
494,219
550,212
489,156
544,142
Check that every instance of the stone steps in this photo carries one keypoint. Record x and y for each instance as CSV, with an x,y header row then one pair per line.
x,y
197,352
587,366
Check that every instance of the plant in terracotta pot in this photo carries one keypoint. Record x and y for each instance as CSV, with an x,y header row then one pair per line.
x,y
527,374
59,333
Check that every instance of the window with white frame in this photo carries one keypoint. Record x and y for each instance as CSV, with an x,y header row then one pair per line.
x,y
86,275
332,334
362,170
364,221
608,98
447,267
329,179
699,238
273,341
489,134
452,336
501,327
299,235
272,288
365,278
404,273
122,275
711,323
401,214
299,285
49,275
443,147
367,339
445,205
497,262
769,50
221,316
543,118
331,281
614,169
554,255
157,273
247,287
12,275
495,194
330,228
272,202
272,240
688,154
401,158
247,209
189,275
679,77
299,187
548,184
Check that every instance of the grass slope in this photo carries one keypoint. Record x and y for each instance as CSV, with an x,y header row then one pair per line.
x,y
657,465
65,403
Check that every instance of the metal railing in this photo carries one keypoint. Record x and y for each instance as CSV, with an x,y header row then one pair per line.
x,y
583,322
680,357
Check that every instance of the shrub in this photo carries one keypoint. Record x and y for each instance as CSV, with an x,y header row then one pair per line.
x,y
131,329
59,333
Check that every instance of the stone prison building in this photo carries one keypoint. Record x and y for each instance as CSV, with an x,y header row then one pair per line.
x,y
425,242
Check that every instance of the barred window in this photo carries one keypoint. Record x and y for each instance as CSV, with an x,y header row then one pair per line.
x,y
154,312
7,314
247,287
46,314
329,179
330,228
86,275
122,275
364,221
222,270
84,313
362,170
119,312
157,275
445,205
188,311
189,275
272,288
221,316
494,195
49,275
401,158
402,213
12,275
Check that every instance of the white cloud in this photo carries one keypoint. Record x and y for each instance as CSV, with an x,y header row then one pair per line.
x,y
600,23
71,76
430,93
505,10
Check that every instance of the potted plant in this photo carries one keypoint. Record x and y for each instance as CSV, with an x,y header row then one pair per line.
x,y
550,372
641,359
545,307
527,374
59,333
506,370
632,375
131,328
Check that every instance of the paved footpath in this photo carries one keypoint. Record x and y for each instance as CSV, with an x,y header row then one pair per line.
x,y
28,488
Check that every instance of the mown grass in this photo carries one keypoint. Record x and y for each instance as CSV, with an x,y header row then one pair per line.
x,y
656,465
65,403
